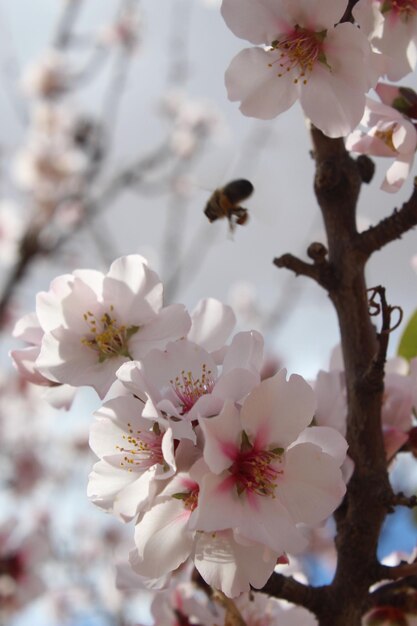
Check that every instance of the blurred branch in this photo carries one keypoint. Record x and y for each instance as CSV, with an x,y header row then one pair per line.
x,y
66,23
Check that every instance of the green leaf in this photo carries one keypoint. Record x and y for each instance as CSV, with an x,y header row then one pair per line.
x,y
408,343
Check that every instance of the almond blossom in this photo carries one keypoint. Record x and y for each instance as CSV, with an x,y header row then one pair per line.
x,y
94,322
264,481
327,67
390,134
164,540
134,453
183,382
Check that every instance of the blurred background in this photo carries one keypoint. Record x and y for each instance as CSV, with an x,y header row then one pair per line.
x,y
115,131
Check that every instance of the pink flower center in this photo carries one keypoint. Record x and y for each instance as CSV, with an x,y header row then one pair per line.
x,y
256,471
403,8
106,337
299,50
189,389
189,497
143,449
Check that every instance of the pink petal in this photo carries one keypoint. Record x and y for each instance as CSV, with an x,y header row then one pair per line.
x,y
226,565
245,352
334,99
250,79
222,436
277,410
312,486
258,22
212,323
162,539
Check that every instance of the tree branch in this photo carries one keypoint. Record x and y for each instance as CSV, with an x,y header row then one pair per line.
x,y
320,271
287,588
401,594
390,228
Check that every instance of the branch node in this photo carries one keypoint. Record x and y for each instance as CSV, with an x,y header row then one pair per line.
x,y
317,252
366,168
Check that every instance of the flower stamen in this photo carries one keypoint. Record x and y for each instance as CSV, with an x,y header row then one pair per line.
x,y
189,389
106,337
189,498
256,471
404,8
387,137
300,49
145,448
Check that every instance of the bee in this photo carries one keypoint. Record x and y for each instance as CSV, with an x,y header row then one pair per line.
x,y
224,202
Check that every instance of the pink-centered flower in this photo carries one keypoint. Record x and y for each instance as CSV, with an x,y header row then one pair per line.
x,y
389,134
183,381
327,67
134,453
94,322
266,476
164,540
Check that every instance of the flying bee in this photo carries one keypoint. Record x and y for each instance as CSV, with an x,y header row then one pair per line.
x,y
224,202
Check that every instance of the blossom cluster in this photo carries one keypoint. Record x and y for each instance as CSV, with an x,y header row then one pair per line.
x,y
213,464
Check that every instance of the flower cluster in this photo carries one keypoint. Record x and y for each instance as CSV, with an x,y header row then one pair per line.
x,y
213,464
312,52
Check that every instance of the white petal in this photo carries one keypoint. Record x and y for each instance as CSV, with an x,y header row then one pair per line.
x,y
250,80
258,22
171,323
162,539
222,436
246,351
328,439
230,567
312,486
277,410
212,323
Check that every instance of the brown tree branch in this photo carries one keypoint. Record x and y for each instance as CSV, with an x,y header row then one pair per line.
x,y
400,499
320,270
401,594
390,228
403,570
287,588
359,520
